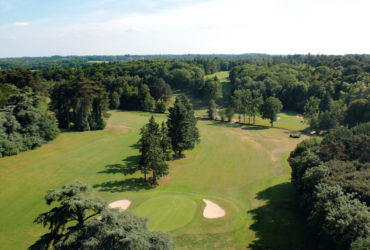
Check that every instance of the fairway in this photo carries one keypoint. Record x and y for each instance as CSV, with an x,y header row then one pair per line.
x,y
243,169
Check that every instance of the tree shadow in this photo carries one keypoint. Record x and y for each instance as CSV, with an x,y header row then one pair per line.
x,y
278,224
130,167
255,127
245,126
135,146
130,184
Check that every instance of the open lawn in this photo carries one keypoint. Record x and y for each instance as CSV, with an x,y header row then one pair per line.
x,y
243,169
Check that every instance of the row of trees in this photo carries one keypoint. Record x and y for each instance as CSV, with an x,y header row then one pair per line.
x,y
80,221
142,84
332,177
250,103
179,133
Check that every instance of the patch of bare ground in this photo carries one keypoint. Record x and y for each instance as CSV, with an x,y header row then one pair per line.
x,y
117,129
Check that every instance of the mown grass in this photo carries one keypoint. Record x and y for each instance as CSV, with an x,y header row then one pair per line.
x,y
240,168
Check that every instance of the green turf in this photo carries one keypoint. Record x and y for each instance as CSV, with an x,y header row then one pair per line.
x,y
179,209
243,169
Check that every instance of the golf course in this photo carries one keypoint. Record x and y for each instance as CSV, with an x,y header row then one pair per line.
x,y
243,169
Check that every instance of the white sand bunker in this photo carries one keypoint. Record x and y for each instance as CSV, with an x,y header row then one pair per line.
x,y
212,210
121,205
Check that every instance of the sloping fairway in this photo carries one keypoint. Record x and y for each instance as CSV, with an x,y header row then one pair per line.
x,y
242,169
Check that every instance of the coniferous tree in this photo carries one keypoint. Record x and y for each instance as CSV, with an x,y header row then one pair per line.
x,y
182,126
152,156
72,224
76,205
165,142
82,103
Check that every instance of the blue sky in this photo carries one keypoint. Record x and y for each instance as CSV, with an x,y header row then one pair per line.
x,y
105,27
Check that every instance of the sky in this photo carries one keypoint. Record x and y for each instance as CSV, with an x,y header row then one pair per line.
x,y
119,27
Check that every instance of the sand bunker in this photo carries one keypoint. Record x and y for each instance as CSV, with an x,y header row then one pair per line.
x,y
121,205
212,210
299,116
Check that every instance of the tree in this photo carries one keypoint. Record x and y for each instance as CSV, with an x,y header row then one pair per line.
x,y
152,156
212,89
270,109
82,103
212,112
146,100
114,100
311,107
160,90
111,230
165,142
255,104
75,205
116,230
229,112
160,107
358,112
182,126
240,101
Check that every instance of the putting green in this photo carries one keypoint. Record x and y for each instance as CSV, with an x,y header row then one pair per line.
x,y
167,212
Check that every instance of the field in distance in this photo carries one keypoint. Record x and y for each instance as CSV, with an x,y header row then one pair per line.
x,y
243,169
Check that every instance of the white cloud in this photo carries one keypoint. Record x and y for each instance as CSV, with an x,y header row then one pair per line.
x,y
221,26
21,24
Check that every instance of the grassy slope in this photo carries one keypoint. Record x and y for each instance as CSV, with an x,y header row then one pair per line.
x,y
242,169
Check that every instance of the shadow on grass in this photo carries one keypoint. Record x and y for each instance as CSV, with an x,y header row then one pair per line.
x,y
130,184
245,126
135,146
129,168
278,224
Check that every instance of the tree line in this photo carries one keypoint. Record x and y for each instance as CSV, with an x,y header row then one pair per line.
x,y
332,179
329,91
247,103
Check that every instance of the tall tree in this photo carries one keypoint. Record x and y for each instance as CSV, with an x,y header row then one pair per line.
x,y
255,104
82,103
182,126
152,156
270,109
165,142
229,112
212,111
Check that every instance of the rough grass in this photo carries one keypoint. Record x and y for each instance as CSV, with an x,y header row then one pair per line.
x,y
243,169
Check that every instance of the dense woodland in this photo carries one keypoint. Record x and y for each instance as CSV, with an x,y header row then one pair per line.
x,y
332,178
329,90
